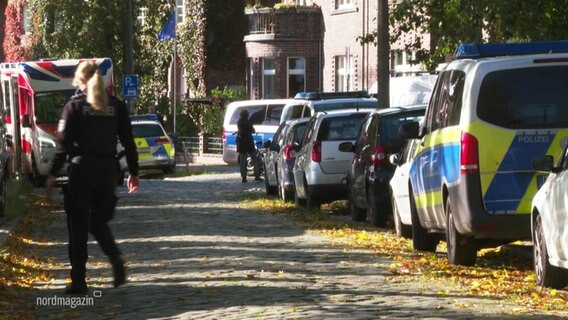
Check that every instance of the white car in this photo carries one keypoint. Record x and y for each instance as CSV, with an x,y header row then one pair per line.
x,y
320,169
550,222
399,190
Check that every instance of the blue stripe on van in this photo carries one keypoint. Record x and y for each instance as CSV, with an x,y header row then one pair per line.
x,y
515,171
262,137
437,164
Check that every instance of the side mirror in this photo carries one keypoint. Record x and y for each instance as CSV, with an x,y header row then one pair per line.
x,y
395,159
345,147
409,130
26,123
544,163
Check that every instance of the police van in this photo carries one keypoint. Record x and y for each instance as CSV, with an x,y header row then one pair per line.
x,y
493,110
264,115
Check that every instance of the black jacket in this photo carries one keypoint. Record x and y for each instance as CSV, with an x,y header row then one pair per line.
x,y
245,141
82,132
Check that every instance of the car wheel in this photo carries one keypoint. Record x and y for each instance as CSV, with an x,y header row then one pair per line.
x,y
421,239
377,211
169,169
270,190
357,214
312,202
298,202
461,250
547,275
284,194
402,231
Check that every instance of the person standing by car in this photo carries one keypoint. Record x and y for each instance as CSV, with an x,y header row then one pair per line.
x,y
245,145
87,138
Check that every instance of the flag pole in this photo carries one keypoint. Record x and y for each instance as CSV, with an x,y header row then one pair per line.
x,y
175,75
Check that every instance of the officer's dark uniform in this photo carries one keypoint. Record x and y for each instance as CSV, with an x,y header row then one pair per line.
x,y
88,141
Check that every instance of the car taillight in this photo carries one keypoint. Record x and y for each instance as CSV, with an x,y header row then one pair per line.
x,y
162,140
223,135
289,153
378,156
469,157
316,151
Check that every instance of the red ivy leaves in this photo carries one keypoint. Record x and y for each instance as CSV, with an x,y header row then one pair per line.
x,y
13,49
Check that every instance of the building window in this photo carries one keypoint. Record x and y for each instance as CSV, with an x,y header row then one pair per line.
x,y
343,73
142,14
26,23
296,76
343,4
180,11
268,74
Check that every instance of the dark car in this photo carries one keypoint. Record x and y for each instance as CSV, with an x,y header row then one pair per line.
x,y
370,172
280,156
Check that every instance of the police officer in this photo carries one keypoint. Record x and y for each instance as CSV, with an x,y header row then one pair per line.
x,y
245,146
87,138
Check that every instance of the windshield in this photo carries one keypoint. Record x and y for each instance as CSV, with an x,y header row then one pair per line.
x,y
49,105
147,130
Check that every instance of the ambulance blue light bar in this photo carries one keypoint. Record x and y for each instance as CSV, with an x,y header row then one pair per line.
x,y
476,50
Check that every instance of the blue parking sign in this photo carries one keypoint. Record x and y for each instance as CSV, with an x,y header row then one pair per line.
x,y
130,86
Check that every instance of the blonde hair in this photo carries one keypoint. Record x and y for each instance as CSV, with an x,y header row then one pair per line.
x,y
89,79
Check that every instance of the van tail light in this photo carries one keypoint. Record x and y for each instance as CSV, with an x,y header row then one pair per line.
x,y
469,156
378,156
289,153
162,140
8,119
223,135
316,151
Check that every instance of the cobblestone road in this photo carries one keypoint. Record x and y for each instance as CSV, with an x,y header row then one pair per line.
x,y
194,253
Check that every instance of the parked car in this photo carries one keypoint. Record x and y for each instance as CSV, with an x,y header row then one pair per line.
x,y
493,109
306,104
369,172
155,148
399,191
550,223
264,115
320,168
280,157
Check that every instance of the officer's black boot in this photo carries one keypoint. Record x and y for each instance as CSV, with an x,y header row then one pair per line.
x,y
118,270
78,284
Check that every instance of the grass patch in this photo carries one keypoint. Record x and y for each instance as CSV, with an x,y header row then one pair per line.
x,y
500,272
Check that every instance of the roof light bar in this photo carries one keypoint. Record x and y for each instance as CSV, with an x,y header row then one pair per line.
x,y
476,50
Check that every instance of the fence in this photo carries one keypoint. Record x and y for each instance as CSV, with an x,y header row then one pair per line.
x,y
199,145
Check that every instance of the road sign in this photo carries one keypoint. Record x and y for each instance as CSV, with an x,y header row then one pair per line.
x,y
130,86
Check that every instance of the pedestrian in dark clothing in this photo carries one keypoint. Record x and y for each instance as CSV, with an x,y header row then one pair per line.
x,y
87,138
245,146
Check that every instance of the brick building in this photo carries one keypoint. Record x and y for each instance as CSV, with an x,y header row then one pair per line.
x,y
312,45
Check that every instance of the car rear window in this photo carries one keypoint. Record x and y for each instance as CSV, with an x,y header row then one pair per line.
x,y
391,123
525,98
340,127
147,130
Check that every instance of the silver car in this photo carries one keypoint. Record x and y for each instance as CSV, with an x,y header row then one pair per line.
x,y
320,168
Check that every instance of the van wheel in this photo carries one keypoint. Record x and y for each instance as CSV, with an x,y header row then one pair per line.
x,y
35,177
547,275
461,250
376,210
402,231
357,214
421,239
